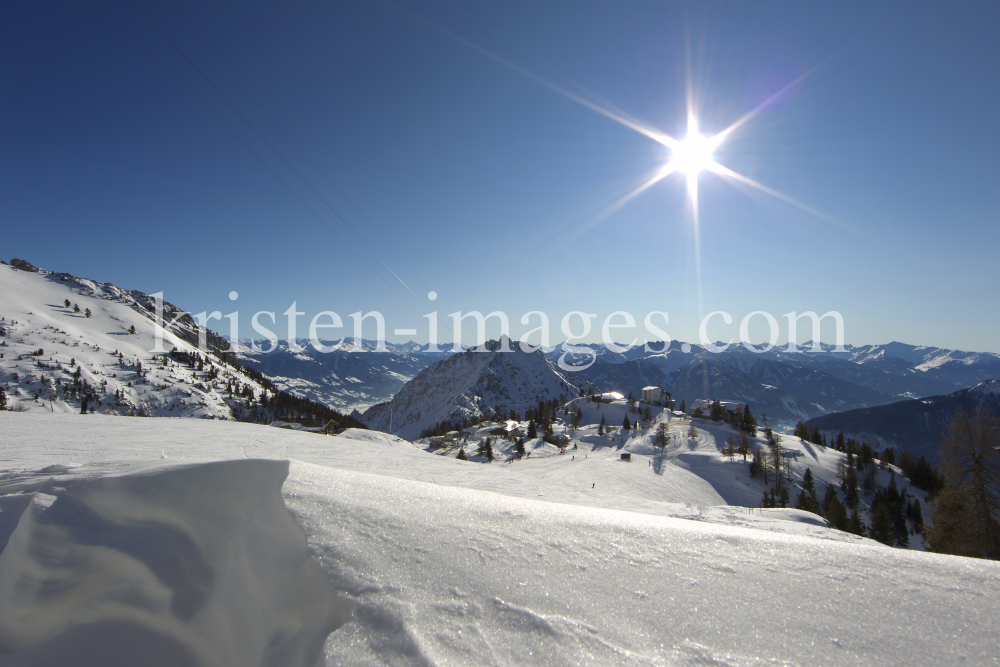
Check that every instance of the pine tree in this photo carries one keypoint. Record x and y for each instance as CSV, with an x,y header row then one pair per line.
x,y
851,488
625,424
808,485
76,308
828,497
881,528
684,405
131,329
801,431
749,424
600,427
661,435
66,303
519,447
836,514
3,399
692,432
967,520
532,429
716,411
917,517
87,313
461,454
855,525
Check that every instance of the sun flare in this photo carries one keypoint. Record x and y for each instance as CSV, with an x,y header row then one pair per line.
x,y
693,154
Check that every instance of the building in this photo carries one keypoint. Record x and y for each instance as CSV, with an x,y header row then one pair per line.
x,y
310,425
732,411
657,396
608,397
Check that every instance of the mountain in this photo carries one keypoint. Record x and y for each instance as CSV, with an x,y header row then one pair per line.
x,y
343,379
467,386
917,425
787,386
53,356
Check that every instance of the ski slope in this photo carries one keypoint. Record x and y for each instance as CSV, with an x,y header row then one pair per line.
x,y
34,317
452,562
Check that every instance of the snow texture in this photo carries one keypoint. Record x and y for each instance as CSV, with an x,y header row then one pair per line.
x,y
452,562
197,566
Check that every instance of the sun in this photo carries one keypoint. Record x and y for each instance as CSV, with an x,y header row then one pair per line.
x,y
693,154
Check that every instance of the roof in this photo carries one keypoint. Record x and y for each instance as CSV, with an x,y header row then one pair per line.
x,y
652,388
612,395
706,404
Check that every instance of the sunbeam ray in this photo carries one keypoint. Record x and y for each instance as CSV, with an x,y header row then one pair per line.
x,y
725,172
722,136
632,124
620,202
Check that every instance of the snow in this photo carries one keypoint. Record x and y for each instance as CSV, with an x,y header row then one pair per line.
x,y
34,317
163,569
451,562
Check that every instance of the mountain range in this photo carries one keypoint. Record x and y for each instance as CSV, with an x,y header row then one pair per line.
x,y
917,424
786,386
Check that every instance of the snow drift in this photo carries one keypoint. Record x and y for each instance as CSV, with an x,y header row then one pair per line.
x,y
201,565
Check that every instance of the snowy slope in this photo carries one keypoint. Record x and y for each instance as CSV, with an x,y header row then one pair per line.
x,y
469,385
444,572
917,425
109,359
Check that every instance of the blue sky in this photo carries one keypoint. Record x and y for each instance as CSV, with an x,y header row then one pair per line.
x,y
475,180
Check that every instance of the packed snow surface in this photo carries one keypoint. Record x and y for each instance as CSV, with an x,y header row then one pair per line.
x,y
452,562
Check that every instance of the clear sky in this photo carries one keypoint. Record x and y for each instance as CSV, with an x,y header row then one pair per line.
x,y
479,181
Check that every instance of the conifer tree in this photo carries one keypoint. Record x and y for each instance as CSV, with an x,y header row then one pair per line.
x,y
684,405
801,431
851,488
66,303
692,432
716,411
881,528
532,429
661,435
461,454
87,313
967,520
600,427
3,399
626,425
836,514
749,424
831,493
854,523
76,308
520,447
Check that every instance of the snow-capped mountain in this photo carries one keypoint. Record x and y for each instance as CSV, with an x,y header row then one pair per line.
x,y
788,386
469,385
344,379
65,340
917,424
